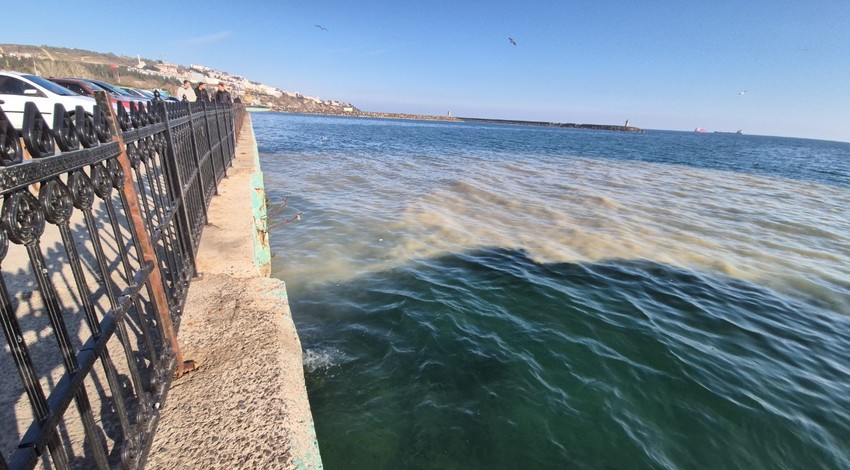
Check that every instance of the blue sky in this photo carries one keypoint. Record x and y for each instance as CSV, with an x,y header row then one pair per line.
x,y
661,64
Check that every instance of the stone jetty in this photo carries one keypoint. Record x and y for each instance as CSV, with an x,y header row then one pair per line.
x,y
568,125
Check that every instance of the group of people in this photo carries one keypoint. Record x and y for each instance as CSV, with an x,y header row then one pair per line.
x,y
200,93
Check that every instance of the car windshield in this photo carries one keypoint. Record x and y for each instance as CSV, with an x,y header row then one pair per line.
x,y
95,87
134,92
50,86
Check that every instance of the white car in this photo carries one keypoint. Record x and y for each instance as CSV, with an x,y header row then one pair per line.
x,y
18,88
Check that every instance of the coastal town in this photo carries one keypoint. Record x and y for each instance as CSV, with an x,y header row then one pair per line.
x,y
159,74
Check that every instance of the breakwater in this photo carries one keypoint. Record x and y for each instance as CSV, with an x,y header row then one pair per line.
x,y
568,125
380,115
429,117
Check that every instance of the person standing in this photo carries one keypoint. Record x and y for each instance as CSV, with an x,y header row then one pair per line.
x,y
201,92
222,95
185,92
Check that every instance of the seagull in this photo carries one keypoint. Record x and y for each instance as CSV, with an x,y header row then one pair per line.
x,y
512,41
744,92
321,27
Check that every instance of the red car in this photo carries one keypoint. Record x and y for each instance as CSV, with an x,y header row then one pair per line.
x,y
87,88
124,94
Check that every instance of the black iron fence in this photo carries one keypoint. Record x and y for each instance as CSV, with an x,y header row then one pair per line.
x,y
100,223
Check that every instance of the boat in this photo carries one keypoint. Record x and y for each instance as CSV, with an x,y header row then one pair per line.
x,y
700,129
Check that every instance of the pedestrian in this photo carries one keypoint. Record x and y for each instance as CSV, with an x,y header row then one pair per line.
x,y
222,95
201,92
185,92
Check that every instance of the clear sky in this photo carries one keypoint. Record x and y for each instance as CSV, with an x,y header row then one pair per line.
x,y
661,64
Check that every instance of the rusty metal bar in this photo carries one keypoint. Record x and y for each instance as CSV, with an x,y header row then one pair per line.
x,y
148,252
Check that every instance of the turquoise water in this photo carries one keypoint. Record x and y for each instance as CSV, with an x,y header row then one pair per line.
x,y
488,296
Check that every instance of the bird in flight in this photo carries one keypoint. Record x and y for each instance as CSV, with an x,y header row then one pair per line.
x,y
743,92
321,27
512,40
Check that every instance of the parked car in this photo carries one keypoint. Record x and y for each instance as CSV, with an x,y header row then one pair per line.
x,y
18,88
86,88
126,97
138,92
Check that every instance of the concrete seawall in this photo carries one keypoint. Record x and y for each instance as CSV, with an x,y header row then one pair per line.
x,y
247,406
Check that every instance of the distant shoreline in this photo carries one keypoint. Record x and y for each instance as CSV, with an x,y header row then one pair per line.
x,y
569,125
427,117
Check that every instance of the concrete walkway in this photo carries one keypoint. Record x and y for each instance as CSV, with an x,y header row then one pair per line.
x,y
246,407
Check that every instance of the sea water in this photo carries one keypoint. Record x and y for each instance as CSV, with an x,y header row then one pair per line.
x,y
493,296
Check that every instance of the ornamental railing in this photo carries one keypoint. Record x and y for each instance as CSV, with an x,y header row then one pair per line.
x,y
100,224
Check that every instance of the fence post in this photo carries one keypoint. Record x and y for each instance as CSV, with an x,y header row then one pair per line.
x,y
221,149
196,154
210,144
148,253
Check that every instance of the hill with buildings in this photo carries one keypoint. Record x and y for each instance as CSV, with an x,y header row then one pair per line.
x,y
146,73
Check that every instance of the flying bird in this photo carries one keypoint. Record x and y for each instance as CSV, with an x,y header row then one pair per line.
x,y
744,92
321,27
512,41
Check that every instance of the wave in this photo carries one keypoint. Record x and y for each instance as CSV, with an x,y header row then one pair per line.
x,y
481,299
647,361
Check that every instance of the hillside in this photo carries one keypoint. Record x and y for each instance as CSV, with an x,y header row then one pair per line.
x,y
147,73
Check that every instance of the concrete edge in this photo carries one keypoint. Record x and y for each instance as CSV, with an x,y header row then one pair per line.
x,y
260,234
303,456
305,451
